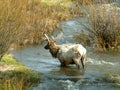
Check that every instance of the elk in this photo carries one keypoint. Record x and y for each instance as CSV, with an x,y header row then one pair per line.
x,y
67,54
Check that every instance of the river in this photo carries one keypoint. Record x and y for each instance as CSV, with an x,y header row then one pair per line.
x,y
70,78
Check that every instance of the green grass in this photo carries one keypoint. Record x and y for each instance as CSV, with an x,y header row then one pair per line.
x,y
21,77
113,78
65,3
8,59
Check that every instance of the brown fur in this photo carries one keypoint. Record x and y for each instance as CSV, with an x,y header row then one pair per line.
x,y
54,50
67,54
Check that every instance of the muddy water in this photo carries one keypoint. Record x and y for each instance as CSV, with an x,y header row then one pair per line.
x,y
70,78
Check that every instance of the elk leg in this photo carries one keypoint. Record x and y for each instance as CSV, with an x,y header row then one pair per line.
x,y
63,64
83,60
77,63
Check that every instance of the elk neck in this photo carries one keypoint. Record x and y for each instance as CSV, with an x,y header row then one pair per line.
x,y
54,50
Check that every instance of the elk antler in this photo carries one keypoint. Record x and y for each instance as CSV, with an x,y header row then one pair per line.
x,y
47,37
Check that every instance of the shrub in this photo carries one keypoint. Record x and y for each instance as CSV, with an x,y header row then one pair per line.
x,y
104,25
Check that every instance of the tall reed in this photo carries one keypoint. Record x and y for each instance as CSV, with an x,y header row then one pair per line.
x,y
11,20
25,21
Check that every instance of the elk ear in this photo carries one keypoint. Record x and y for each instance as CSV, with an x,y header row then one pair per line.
x,y
47,37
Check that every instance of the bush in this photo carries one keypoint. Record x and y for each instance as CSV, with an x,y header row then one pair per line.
x,y
105,25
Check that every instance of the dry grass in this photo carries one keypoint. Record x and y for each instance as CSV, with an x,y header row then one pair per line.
x,y
10,23
25,22
13,84
105,22
86,2
104,25
82,38
16,76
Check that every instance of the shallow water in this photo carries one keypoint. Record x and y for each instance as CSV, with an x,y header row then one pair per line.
x,y
70,78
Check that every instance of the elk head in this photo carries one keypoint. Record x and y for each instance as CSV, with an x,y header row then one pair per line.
x,y
51,43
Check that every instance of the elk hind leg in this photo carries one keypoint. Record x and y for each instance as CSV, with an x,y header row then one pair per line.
x,y
77,63
83,60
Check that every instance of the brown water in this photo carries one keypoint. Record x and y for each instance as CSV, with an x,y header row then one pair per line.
x,y
70,78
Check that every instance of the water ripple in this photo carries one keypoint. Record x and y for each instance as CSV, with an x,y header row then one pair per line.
x,y
100,62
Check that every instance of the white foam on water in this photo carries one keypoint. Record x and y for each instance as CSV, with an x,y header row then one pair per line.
x,y
100,62
70,23
67,84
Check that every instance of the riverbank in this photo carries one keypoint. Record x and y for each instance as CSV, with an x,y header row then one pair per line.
x,y
14,75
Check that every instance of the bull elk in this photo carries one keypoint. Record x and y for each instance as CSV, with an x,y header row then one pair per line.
x,y
67,54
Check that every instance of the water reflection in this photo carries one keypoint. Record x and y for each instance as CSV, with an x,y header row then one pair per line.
x,y
68,71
